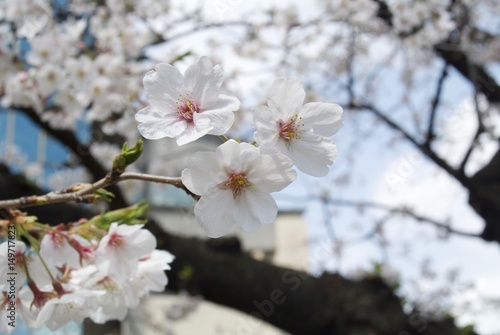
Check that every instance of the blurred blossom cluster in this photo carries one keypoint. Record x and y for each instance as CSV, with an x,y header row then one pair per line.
x,y
82,62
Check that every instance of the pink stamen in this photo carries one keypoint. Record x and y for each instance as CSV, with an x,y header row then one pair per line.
x,y
186,109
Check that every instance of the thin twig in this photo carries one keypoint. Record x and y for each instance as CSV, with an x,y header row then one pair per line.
x,y
394,210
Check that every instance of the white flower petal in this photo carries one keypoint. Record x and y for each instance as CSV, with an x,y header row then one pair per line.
x,y
204,80
163,86
286,96
199,127
221,121
142,243
265,119
235,156
272,173
243,215
262,205
313,154
324,118
203,172
214,211
155,125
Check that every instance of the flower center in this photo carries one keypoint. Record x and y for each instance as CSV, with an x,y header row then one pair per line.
x,y
237,183
115,241
186,109
57,239
289,130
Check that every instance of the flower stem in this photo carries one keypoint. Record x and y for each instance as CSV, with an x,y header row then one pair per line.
x,y
224,138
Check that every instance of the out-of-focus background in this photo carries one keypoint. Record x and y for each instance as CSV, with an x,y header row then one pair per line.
x,y
413,197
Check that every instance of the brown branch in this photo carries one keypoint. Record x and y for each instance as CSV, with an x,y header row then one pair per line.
x,y
86,194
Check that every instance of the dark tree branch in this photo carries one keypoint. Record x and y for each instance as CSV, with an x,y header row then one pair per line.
x,y
486,198
80,150
474,73
435,103
484,187
479,130
420,146
452,54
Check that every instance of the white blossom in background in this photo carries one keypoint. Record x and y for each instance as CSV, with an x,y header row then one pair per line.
x,y
186,107
68,176
12,155
235,183
48,78
45,50
102,151
298,131
21,91
6,53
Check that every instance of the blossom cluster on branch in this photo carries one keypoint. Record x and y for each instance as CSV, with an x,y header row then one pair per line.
x,y
91,269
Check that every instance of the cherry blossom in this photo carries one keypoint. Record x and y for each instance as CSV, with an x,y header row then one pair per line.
x,y
234,184
58,249
298,131
186,107
119,251
73,306
35,267
100,281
